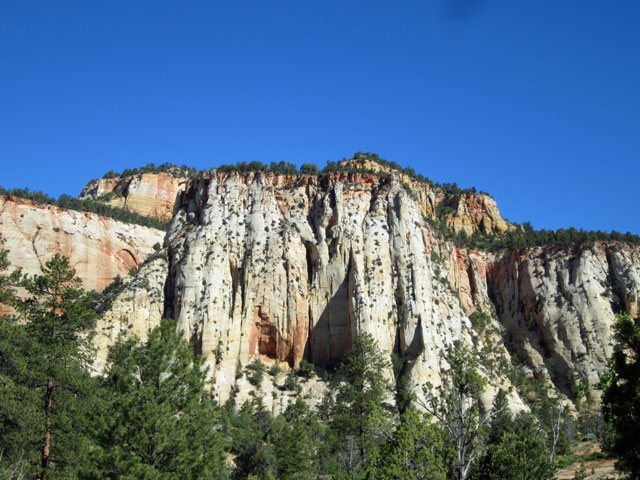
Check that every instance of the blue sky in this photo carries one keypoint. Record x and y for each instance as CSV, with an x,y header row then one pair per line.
x,y
536,102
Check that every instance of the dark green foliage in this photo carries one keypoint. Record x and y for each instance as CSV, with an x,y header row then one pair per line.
x,y
621,396
442,210
403,395
87,205
306,369
174,170
274,370
516,452
416,451
291,381
358,417
255,373
251,430
309,169
293,443
480,320
279,168
524,236
20,407
7,280
45,390
266,447
153,420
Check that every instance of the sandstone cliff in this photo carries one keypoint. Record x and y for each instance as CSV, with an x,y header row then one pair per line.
x,y
285,268
557,306
149,194
463,212
134,307
282,268
99,248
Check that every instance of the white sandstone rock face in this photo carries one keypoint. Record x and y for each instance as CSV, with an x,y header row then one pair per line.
x,y
282,268
136,308
625,263
99,248
557,306
286,268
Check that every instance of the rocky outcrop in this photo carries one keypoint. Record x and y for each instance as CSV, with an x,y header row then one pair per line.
x,y
464,212
149,194
473,213
99,248
557,306
286,268
132,308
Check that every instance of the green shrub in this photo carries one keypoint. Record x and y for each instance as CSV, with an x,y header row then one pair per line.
x,y
256,373
291,382
306,369
479,320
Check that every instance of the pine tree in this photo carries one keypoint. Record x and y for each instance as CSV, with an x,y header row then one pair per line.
x,y
358,418
18,410
517,452
456,405
155,422
416,451
45,352
252,432
621,396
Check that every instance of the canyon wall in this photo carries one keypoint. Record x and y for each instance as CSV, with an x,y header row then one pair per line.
x,y
99,248
149,194
285,268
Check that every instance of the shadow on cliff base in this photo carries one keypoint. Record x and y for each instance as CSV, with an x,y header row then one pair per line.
x,y
332,335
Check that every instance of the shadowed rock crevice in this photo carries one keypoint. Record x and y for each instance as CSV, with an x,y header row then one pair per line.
x,y
331,336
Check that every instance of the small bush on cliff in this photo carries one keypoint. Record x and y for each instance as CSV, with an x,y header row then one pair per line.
x,y
255,373
479,320
306,369
291,381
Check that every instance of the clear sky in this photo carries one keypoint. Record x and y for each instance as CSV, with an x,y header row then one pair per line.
x,y
534,101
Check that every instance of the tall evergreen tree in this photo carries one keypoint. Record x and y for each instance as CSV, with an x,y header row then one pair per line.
x,y
155,421
516,452
621,396
45,387
293,443
252,433
358,417
416,451
456,405
18,401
